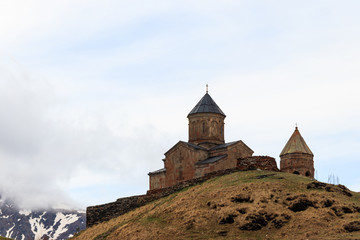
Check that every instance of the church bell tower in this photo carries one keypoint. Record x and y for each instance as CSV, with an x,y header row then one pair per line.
x,y
296,157
206,123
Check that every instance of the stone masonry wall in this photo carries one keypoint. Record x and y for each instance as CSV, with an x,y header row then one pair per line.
x,y
157,180
206,127
257,162
301,162
105,212
179,164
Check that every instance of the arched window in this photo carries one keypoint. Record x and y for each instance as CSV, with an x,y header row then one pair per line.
x,y
307,174
203,127
296,172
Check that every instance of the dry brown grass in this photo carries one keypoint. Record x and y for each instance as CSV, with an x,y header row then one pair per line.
x,y
197,212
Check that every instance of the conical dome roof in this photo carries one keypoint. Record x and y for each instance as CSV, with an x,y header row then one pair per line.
x,y
296,144
206,105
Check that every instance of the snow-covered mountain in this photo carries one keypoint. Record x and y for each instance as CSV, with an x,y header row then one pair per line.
x,y
35,225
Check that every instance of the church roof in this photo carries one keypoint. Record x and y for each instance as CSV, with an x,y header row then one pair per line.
x,y
206,105
162,170
225,145
194,146
296,144
211,159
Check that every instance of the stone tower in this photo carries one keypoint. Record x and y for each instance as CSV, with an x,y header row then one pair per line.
x,y
206,123
296,157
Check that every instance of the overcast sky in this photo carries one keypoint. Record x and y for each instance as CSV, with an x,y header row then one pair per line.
x,y
93,93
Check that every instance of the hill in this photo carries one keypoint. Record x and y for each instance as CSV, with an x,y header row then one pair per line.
x,y
242,205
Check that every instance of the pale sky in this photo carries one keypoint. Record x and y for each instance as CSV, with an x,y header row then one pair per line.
x,y
93,93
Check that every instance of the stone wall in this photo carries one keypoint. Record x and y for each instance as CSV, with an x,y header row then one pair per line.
x,y
257,162
237,151
299,163
105,212
205,169
157,180
179,164
206,127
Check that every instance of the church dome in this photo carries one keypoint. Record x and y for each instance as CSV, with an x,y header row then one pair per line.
x,y
206,105
296,144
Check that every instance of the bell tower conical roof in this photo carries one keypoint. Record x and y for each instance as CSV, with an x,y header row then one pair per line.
x,y
206,105
296,144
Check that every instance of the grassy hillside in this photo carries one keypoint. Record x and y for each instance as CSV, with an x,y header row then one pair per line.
x,y
3,238
242,205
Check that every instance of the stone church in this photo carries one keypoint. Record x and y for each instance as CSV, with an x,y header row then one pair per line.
x,y
206,150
